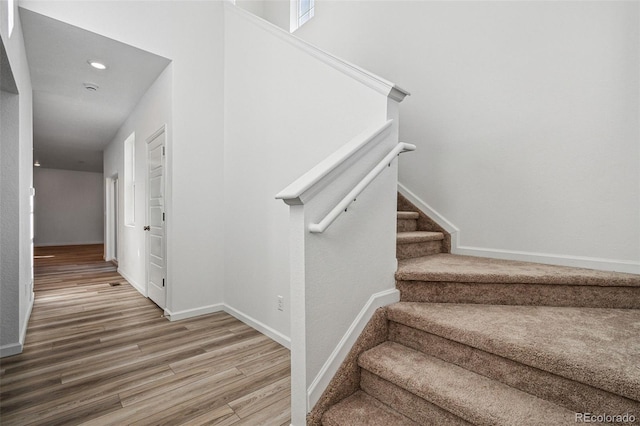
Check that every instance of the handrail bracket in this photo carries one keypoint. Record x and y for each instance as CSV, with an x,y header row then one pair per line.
x,y
343,205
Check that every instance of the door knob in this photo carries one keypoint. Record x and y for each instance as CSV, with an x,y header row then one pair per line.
x,y
147,228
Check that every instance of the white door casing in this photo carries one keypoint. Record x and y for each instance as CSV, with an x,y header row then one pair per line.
x,y
111,218
155,228
115,225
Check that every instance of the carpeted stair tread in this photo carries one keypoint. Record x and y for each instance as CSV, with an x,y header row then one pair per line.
x,y
571,394
470,396
455,268
418,237
409,404
598,347
362,409
408,215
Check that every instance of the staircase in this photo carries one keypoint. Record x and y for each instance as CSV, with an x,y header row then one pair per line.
x,y
494,342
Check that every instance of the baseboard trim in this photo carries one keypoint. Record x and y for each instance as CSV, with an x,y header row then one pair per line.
x,y
545,258
551,259
75,243
17,348
141,289
11,349
331,366
246,319
260,326
429,211
195,312
25,323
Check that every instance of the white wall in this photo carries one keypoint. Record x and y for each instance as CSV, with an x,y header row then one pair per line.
x,y
68,207
191,35
9,221
16,287
152,112
285,111
253,6
278,12
525,115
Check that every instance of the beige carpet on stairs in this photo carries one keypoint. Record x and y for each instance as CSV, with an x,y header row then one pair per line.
x,y
448,278
468,395
599,347
489,342
449,267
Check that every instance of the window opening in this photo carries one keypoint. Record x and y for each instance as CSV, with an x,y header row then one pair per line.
x,y
10,18
301,12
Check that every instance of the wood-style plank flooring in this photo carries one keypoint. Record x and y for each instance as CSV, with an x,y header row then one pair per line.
x,y
102,354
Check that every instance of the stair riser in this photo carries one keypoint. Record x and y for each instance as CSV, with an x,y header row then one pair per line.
x,y
407,403
573,395
407,225
363,409
346,381
424,222
519,294
468,395
411,250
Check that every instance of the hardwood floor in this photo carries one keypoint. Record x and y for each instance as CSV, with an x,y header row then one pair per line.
x,y
99,353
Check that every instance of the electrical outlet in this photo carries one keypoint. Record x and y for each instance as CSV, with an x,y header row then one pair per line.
x,y
280,303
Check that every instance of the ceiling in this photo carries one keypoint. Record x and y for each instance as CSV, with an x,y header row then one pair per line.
x,y
73,125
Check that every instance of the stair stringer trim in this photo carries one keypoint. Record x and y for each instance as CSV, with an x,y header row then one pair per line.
x,y
339,354
431,213
629,267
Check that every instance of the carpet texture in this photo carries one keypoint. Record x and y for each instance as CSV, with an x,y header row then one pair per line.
x,y
406,402
418,244
407,222
568,393
424,222
347,380
454,268
520,294
599,347
489,342
362,409
468,395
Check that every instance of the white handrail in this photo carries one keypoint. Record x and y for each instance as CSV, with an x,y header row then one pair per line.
x,y
314,176
351,196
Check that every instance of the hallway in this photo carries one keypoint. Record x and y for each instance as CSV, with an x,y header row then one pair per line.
x,y
97,352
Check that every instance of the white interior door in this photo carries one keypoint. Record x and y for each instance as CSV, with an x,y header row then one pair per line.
x,y
156,252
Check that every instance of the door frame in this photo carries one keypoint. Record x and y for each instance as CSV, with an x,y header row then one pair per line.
x,y
111,230
161,130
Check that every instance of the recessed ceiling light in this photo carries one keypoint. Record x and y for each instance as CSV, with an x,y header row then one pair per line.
x,y
36,164
92,87
97,65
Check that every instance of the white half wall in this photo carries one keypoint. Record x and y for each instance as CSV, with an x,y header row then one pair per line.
x,y
285,111
525,114
16,181
68,207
